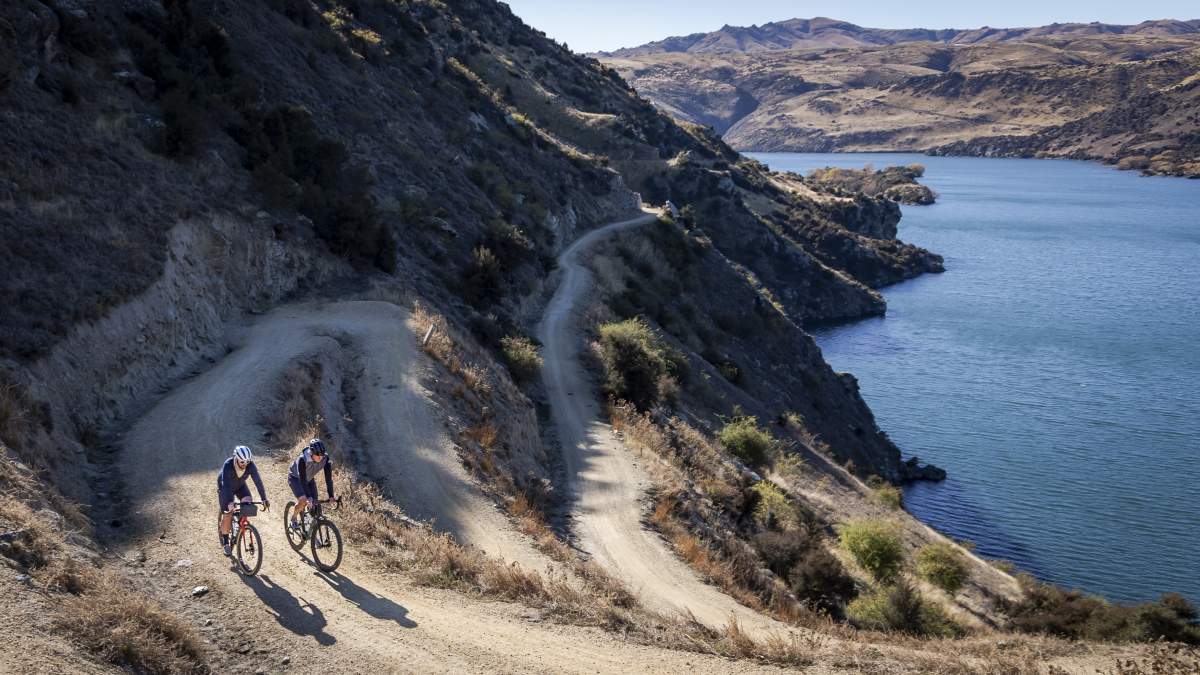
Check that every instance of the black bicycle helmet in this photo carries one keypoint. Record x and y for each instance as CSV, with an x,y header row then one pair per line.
x,y
317,447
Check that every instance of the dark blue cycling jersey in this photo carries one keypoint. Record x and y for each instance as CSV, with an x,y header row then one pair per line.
x,y
229,483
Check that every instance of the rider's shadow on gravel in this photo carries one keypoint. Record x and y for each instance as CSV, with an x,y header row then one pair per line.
x,y
299,617
376,606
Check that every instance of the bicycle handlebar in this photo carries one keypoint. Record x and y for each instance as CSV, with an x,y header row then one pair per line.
x,y
237,506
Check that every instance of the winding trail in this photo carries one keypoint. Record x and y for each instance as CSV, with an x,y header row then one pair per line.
x,y
361,619
604,479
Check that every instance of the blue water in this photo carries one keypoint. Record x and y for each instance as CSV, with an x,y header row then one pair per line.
x,y
1053,370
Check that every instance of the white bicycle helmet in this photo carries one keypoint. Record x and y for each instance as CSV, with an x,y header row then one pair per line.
x,y
242,454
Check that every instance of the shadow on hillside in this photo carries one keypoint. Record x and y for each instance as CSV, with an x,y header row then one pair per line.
x,y
376,606
302,618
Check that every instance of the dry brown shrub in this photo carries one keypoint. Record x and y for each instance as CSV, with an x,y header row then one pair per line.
x,y
485,435
129,629
440,343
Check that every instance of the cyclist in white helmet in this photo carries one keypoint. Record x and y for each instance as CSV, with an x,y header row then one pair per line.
x,y
231,483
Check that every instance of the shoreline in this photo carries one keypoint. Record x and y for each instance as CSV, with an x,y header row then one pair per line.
x,y
1114,165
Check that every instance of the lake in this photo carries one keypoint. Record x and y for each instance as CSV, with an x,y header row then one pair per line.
x,y
1053,370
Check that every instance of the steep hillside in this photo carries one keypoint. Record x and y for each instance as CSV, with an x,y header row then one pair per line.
x,y
215,172
1123,96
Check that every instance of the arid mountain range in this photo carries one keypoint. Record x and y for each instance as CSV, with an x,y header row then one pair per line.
x,y
1120,94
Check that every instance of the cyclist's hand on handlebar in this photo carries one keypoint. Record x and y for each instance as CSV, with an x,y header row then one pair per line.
x,y
266,505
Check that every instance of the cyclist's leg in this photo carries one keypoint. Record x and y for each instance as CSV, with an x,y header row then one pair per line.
x,y
298,493
225,497
310,491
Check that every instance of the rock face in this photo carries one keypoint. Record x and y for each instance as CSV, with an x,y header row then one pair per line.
x,y
1099,92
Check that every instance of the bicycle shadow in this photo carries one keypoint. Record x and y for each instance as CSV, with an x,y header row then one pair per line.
x,y
301,618
374,605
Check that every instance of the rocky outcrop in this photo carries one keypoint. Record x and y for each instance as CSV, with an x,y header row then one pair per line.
x,y
910,193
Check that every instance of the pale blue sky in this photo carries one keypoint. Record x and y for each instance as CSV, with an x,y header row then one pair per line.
x,y
595,25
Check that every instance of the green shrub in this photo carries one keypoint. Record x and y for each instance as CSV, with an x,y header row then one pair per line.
x,y
773,509
875,547
744,438
900,608
522,357
819,580
1047,609
942,565
635,362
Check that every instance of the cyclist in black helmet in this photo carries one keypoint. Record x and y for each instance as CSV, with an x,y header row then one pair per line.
x,y
302,476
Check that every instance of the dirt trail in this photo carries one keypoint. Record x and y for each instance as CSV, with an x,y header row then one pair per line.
x,y
191,431
357,620
604,478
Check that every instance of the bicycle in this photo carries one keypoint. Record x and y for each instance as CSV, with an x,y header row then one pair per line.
x,y
318,530
246,542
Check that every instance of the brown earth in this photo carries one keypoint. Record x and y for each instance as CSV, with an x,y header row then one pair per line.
x,y
1115,96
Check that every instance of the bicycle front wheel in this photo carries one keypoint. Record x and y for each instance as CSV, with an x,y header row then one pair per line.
x,y
326,545
295,536
249,550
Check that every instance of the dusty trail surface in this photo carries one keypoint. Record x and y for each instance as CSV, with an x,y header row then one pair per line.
x,y
359,619
604,479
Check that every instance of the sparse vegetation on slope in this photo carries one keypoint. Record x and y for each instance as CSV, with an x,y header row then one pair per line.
x,y
899,607
942,565
1074,614
101,610
637,367
875,547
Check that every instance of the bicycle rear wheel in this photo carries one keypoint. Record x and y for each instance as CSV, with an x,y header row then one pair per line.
x,y
249,550
295,537
326,545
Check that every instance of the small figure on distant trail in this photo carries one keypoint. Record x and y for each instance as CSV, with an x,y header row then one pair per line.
x,y
231,482
302,477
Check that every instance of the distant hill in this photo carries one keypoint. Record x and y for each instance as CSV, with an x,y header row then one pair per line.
x,y
1121,94
823,33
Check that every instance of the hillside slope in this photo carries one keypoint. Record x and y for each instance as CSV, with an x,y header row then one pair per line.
x,y
1117,94
232,222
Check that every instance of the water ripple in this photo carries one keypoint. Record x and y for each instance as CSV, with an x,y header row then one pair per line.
x,y
1053,370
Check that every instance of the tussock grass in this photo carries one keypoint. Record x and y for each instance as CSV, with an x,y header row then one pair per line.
x,y
129,629
102,611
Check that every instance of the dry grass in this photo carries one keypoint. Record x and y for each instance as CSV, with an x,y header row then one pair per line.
x,y
485,435
101,610
443,344
383,532
129,629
